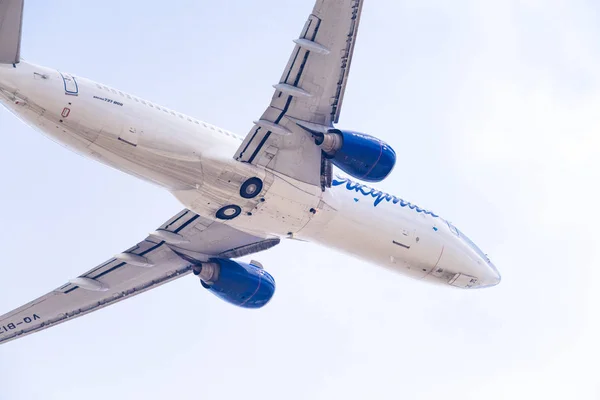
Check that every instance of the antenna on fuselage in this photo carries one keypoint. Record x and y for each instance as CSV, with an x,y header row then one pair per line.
x,y
11,23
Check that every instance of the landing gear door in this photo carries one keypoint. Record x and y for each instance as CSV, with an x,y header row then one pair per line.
x,y
70,84
463,281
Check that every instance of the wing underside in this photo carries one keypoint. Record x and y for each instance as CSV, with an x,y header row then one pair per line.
x,y
309,93
149,264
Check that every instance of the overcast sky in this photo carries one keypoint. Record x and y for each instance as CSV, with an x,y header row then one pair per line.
x,y
492,107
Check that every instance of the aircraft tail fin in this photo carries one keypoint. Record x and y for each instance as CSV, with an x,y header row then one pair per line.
x,y
11,22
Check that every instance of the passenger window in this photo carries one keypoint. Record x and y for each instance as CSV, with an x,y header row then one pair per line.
x,y
172,113
150,104
197,123
136,99
180,116
114,91
99,86
143,102
121,93
105,87
129,97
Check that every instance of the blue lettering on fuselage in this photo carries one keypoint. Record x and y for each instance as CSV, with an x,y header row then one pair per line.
x,y
378,195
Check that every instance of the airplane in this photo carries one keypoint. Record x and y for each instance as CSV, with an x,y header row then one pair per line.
x,y
295,175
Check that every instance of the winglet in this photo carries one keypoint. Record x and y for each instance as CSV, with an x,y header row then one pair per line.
x,y
11,23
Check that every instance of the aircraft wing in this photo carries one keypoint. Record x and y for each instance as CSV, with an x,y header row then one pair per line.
x,y
309,93
11,20
144,266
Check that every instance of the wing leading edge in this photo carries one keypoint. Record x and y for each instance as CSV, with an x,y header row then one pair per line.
x,y
149,264
310,93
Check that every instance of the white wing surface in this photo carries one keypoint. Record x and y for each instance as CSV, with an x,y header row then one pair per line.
x,y
309,93
11,21
146,265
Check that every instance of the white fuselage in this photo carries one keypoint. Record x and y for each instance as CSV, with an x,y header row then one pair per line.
x,y
194,161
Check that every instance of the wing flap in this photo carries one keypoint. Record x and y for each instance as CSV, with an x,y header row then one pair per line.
x,y
11,22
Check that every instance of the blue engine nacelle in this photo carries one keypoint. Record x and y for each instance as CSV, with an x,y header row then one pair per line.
x,y
238,283
359,155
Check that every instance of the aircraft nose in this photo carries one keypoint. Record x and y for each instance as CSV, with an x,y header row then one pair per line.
x,y
490,277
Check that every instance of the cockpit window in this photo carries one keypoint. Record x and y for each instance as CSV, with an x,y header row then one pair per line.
x,y
468,241
453,229
473,245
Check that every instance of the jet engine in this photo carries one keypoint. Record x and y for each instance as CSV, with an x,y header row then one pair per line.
x,y
360,155
238,283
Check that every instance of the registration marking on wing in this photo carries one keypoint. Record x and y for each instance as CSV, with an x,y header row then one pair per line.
x,y
15,325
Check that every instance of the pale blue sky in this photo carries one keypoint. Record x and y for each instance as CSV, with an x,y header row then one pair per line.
x,y
492,108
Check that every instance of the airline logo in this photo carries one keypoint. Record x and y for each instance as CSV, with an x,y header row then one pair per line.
x,y
378,195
